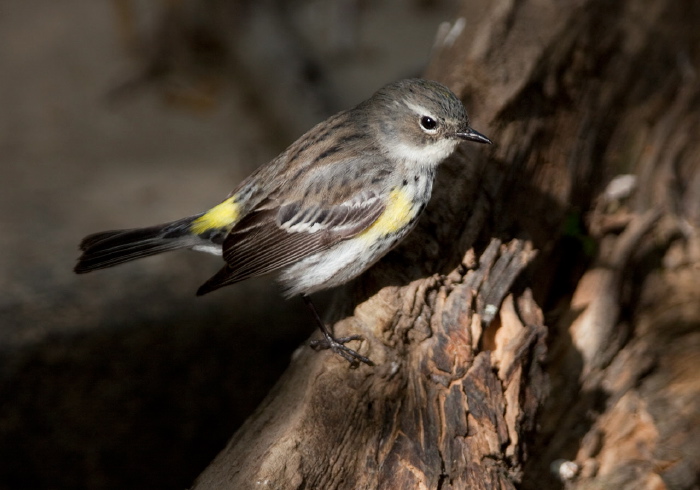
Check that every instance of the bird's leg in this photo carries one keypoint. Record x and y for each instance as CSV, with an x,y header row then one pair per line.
x,y
335,344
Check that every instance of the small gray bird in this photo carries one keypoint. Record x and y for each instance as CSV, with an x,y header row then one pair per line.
x,y
326,209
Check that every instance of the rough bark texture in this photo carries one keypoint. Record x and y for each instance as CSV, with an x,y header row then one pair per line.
x,y
471,390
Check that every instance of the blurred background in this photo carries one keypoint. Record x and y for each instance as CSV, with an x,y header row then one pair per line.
x,y
126,113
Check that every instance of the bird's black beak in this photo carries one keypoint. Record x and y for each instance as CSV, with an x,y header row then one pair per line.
x,y
473,135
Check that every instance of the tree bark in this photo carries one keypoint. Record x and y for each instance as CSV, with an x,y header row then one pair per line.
x,y
471,389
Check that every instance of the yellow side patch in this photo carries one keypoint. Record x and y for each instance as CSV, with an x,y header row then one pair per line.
x,y
398,213
220,216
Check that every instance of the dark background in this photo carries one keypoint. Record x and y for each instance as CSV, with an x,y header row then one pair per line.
x,y
124,113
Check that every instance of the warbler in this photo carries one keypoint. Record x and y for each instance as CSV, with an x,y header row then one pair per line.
x,y
324,210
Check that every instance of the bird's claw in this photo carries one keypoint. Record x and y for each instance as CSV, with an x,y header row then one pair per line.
x,y
337,346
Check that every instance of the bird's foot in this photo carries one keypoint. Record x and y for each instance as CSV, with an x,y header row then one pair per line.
x,y
337,345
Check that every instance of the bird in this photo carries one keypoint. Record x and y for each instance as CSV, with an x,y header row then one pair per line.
x,y
323,211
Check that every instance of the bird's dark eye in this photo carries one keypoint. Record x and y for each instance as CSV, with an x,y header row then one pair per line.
x,y
428,123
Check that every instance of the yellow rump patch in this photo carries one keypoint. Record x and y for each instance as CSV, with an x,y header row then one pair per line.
x,y
220,216
398,213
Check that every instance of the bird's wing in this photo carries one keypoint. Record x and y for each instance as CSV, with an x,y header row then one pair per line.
x,y
273,236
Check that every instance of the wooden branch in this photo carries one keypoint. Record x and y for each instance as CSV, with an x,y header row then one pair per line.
x,y
403,424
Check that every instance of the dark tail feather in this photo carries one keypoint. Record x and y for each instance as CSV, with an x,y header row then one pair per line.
x,y
110,248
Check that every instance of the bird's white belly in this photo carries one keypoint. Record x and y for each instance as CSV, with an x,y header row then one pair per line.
x,y
329,268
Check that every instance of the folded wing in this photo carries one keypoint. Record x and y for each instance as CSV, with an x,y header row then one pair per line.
x,y
273,236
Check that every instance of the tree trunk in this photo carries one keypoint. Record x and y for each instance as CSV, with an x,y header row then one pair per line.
x,y
592,187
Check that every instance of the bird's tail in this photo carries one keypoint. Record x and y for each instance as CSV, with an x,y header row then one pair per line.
x,y
110,248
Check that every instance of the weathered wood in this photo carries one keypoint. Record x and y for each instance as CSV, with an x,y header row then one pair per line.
x,y
435,396
574,93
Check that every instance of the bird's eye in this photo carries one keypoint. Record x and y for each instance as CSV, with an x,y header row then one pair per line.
x,y
428,123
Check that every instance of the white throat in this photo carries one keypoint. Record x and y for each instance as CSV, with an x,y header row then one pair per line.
x,y
429,155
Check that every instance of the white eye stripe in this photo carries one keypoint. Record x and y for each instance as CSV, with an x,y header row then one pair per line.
x,y
419,110
426,120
